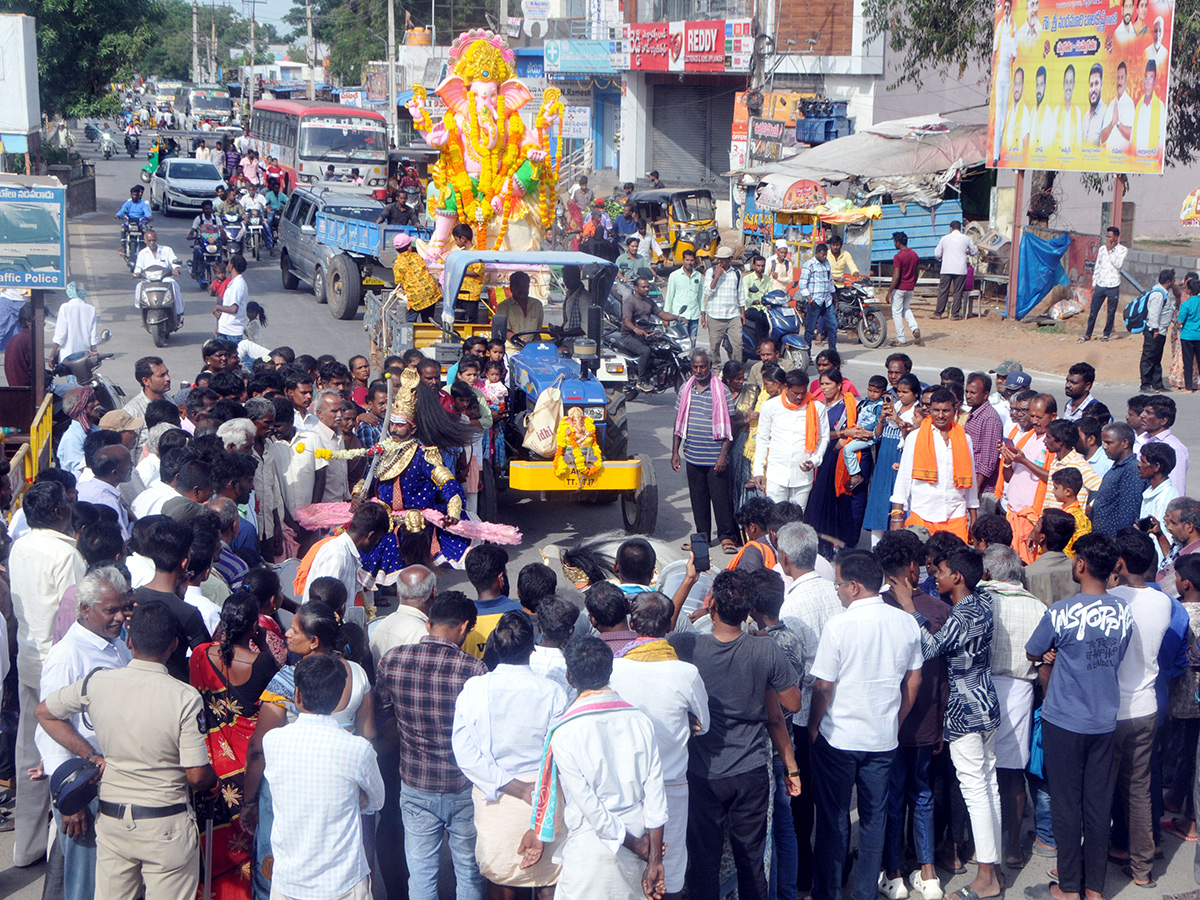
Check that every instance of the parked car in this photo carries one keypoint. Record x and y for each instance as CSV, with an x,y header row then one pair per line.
x,y
181,183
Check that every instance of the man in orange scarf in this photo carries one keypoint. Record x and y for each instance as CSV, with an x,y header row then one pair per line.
x,y
792,437
1026,469
936,481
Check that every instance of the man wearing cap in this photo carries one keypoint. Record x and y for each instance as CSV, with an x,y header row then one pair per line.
x,y
92,642
124,424
905,267
154,751
723,306
112,467
779,268
75,325
1004,389
816,287
953,251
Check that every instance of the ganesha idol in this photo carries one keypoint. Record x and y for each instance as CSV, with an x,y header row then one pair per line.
x,y
495,173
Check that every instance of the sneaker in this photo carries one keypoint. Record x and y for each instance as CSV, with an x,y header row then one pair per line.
x,y
917,339
645,387
930,889
892,888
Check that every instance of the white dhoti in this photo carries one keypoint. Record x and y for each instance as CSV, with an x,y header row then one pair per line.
x,y
175,292
499,827
590,870
1016,720
675,857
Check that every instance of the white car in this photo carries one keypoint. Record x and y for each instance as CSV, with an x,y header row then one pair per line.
x,y
183,184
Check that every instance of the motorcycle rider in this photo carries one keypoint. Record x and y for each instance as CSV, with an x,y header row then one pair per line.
x,y
255,200
276,200
156,254
638,305
135,209
133,134
227,209
206,217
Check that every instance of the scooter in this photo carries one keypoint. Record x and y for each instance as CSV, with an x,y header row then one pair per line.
x,y
133,240
132,144
157,303
254,232
779,321
208,237
234,234
107,145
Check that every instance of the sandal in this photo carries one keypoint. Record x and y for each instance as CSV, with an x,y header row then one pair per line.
x,y
1168,825
1083,340
1148,883
968,893
729,547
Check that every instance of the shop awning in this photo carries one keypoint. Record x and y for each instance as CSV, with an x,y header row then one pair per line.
x,y
911,159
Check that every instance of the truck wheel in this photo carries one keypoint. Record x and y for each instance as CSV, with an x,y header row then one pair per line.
x,y
319,284
290,281
616,443
639,509
344,288
872,329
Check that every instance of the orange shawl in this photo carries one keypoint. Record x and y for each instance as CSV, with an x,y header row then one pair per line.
x,y
925,459
841,475
811,425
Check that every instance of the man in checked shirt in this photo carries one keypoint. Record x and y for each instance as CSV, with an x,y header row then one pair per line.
x,y
816,287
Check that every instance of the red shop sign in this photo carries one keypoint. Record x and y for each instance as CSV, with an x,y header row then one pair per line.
x,y
704,46
650,47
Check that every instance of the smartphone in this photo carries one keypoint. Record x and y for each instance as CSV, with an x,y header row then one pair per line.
x,y
357,615
1145,523
1008,442
700,552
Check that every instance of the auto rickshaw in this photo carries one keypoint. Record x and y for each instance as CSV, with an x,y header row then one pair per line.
x,y
682,220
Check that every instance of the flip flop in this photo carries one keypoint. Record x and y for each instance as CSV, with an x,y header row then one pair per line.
x,y
729,547
1149,883
1168,825
1040,891
968,893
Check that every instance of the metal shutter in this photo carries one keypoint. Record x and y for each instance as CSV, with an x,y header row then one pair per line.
x,y
720,131
681,138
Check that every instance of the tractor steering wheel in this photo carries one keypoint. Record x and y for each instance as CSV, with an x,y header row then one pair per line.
x,y
521,338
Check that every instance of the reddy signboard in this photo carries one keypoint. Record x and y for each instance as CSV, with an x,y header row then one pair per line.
x,y
715,45
33,247
1081,85
704,46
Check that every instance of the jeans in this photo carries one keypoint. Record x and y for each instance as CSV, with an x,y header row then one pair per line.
x,y
428,816
739,803
950,287
821,313
693,328
902,313
1043,822
1081,774
974,757
708,491
835,774
1151,362
635,346
786,858
79,858
1099,295
1191,352
909,780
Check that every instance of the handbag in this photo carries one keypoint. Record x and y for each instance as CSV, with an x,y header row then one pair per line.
x,y
542,425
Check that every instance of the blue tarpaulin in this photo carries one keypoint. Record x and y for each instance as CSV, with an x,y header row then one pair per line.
x,y
1041,267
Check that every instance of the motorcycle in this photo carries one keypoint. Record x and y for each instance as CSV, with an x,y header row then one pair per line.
x,y
157,303
132,144
670,351
107,145
779,321
82,369
231,223
91,132
132,240
208,238
254,232
855,314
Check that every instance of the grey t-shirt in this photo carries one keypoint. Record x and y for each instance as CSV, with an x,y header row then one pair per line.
x,y
736,675
633,308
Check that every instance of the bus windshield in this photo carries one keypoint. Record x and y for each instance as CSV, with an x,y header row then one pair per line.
x,y
210,100
342,137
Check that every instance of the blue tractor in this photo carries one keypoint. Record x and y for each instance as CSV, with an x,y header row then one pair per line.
x,y
573,363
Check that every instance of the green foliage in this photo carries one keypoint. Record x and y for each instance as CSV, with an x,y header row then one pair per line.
x,y
83,46
169,55
934,39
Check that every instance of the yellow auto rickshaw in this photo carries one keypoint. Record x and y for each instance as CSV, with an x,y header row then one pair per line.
x,y
682,220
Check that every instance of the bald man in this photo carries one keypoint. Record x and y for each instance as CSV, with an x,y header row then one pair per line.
x,y
415,588
113,467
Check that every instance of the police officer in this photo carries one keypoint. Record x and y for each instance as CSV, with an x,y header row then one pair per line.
x,y
154,751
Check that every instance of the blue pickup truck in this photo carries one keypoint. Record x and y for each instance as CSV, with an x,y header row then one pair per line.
x,y
330,241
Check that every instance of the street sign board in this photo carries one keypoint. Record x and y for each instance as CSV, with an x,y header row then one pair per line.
x,y
33,241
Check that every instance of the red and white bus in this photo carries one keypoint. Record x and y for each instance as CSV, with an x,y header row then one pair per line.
x,y
308,137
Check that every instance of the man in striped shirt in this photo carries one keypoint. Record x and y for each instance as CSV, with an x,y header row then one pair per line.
x,y
705,440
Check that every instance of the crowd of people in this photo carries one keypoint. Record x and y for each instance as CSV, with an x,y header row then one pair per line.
x,y
1027,598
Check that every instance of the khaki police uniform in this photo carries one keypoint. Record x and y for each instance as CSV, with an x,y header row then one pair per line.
x,y
150,726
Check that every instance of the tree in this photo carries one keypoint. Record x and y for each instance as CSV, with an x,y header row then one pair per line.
x,y
933,38
169,55
82,47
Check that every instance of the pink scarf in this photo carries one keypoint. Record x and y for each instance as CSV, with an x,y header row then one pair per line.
x,y
722,428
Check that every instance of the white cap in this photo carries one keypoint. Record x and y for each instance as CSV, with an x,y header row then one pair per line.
x,y
781,243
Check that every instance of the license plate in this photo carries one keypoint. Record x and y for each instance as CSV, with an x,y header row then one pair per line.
x,y
374,282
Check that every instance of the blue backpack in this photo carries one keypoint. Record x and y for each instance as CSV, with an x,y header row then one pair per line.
x,y
1136,310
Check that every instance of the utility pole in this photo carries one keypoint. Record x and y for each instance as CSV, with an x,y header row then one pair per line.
x,y
504,18
212,47
250,80
391,73
311,52
195,40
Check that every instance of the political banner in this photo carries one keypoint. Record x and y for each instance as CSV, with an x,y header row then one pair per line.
x,y
1080,85
1189,215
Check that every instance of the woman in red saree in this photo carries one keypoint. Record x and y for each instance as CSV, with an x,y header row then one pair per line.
x,y
231,676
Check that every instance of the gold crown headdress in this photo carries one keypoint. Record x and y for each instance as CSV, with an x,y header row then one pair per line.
x,y
404,405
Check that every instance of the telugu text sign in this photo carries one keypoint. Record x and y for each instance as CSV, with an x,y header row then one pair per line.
x,y
1080,85
32,235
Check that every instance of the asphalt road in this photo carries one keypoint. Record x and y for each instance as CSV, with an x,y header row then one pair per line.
x,y
298,321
